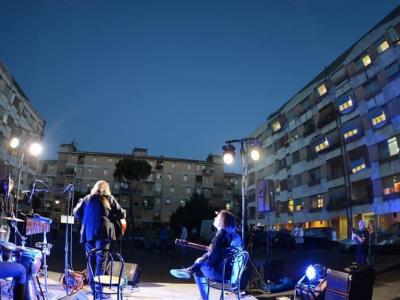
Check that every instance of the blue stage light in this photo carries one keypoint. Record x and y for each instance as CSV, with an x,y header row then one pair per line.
x,y
311,273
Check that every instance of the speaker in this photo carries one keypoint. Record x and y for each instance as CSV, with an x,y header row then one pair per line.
x,y
131,271
356,283
265,195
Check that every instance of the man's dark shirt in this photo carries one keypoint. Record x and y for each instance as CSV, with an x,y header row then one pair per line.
x,y
96,218
223,244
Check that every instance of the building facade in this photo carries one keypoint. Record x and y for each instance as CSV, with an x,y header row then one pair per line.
x,y
18,118
331,153
171,183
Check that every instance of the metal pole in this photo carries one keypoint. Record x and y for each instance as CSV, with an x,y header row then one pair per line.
x,y
21,163
244,191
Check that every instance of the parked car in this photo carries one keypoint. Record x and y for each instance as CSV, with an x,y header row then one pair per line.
x,y
318,237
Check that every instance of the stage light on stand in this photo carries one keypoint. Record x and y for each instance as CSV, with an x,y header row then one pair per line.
x,y
14,143
35,149
229,154
312,285
255,149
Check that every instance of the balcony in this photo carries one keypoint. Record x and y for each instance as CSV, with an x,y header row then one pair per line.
x,y
315,209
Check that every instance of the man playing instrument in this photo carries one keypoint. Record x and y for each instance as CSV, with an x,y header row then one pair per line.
x,y
209,265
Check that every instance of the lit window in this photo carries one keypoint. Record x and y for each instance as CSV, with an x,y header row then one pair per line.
x,y
346,105
291,205
350,133
227,206
358,168
276,126
379,119
382,47
298,205
393,146
322,90
320,201
366,60
322,146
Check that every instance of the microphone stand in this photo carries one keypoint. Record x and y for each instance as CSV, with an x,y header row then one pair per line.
x,y
68,237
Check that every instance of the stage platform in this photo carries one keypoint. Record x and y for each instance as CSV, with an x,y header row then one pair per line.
x,y
145,291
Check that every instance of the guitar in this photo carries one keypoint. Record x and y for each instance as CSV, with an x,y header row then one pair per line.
x,y
119,224
185,243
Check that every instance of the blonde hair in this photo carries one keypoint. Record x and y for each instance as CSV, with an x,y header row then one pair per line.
x,y
101,187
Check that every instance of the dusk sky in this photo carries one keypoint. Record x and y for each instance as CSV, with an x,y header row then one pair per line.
x,y
176,77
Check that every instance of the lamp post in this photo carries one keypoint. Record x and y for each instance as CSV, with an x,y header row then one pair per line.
x,y
246,144
35,149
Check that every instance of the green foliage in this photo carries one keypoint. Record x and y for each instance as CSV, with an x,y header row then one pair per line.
x,y
128,170
195,210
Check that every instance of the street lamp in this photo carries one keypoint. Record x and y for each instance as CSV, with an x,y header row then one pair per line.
x,y
248,146
35,149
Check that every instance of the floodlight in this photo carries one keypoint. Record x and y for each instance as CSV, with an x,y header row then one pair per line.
x,y
229,154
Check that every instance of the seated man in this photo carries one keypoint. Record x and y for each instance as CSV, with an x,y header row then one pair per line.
x,y
225,242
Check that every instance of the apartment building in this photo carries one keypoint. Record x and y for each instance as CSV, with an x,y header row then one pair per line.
x,y
18,118
331,152
171,183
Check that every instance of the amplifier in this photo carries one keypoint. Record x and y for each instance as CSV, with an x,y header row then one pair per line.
x,y
357,283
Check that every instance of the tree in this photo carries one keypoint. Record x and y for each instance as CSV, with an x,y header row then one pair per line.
x,y
197,209
132,172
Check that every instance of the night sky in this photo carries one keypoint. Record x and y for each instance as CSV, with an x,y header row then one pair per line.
x,y
176,77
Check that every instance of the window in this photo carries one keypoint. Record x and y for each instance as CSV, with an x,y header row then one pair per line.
x,y
89,170
366,60
345,103
172,189
94,158
392,71
298,204
183,203
173,165
393,146
297,180
105,172
189,166
110,160
157,187
357,166
167,201
189,190
322,90
383,46
159,176
169,177
350,133
185,177
290,205
276,126
372,88
293,135
198,167
317,202
322,146
379,119
296,156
